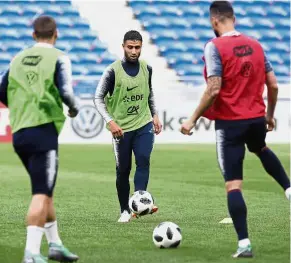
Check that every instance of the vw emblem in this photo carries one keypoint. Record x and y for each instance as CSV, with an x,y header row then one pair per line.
x,y
88,123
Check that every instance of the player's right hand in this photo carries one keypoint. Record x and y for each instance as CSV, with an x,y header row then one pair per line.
x,y
186,127
270,122
115,129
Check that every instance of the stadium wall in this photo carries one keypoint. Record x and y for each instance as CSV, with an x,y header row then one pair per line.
x,y
89,127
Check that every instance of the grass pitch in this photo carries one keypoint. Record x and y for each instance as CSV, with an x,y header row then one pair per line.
x,y
188,188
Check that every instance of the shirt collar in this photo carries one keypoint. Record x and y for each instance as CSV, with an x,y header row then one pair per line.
x,y
231,33
41,44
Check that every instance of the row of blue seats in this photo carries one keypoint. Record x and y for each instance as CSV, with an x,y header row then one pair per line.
x,y
202,3
63,3
157,34
25,34
151,23
24,23
80,46
197,70
78,59
166,46
196,11
196,58
201,22
30,10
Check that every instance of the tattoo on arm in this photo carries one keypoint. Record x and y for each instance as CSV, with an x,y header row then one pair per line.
x,y
213,86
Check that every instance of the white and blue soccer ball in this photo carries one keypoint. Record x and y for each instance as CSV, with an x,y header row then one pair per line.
x,y
141,203
167,235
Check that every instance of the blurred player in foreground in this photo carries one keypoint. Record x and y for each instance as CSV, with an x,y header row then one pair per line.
x,y
38,81
236,70
124,98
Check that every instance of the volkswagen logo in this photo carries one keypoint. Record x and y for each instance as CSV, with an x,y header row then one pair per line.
x,y
88,123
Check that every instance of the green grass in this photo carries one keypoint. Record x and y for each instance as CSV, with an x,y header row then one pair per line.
x,y
188,188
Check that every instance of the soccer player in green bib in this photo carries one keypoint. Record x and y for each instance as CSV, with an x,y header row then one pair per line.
x,y
39,79
124,98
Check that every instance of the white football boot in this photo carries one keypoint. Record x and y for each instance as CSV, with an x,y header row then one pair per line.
x,y
124,217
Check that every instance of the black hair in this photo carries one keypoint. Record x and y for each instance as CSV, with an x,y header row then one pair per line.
x,y
132,35
221,9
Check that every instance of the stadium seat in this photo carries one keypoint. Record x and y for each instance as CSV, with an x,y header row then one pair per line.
x,y
70,35
4,23
14,47
282,23
176,58
88,58
189,70
278,11
192,11
178,23
180,29
20,23
164,34
75,59
107,58
64,23
96,70
79,46
31,10
11,10
157,23
5,58
79,69
199,23
64,45
9,34
183,26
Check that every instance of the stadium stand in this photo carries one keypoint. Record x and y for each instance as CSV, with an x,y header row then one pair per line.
x,y
88,54
179,29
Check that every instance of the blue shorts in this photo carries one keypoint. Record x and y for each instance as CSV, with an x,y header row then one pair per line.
x,y
37,147
231,138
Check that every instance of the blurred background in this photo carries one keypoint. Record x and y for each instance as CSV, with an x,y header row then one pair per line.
x,y
174,33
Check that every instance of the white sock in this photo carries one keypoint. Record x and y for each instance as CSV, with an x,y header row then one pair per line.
x,y
244,242
33,239
288,193
52,234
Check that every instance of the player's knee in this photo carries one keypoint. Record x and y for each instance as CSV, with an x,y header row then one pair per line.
x,y
257,149
123,172
142,160
233,185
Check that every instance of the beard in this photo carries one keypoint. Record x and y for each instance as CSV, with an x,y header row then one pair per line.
x,y
130,59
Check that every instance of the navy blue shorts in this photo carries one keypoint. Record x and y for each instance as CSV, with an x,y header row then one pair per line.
x,y
37,147
231,138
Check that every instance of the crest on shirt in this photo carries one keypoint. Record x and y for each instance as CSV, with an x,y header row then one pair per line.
x,y
31,60
247,69
242,51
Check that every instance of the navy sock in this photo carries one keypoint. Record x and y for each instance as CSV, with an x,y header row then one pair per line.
x,y
238,212
274,167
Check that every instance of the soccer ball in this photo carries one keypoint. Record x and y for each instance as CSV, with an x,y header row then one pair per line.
x,y
167,235
141,203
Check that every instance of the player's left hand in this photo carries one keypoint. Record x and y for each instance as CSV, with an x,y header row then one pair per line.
x,y
186,127
72,113
157,124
